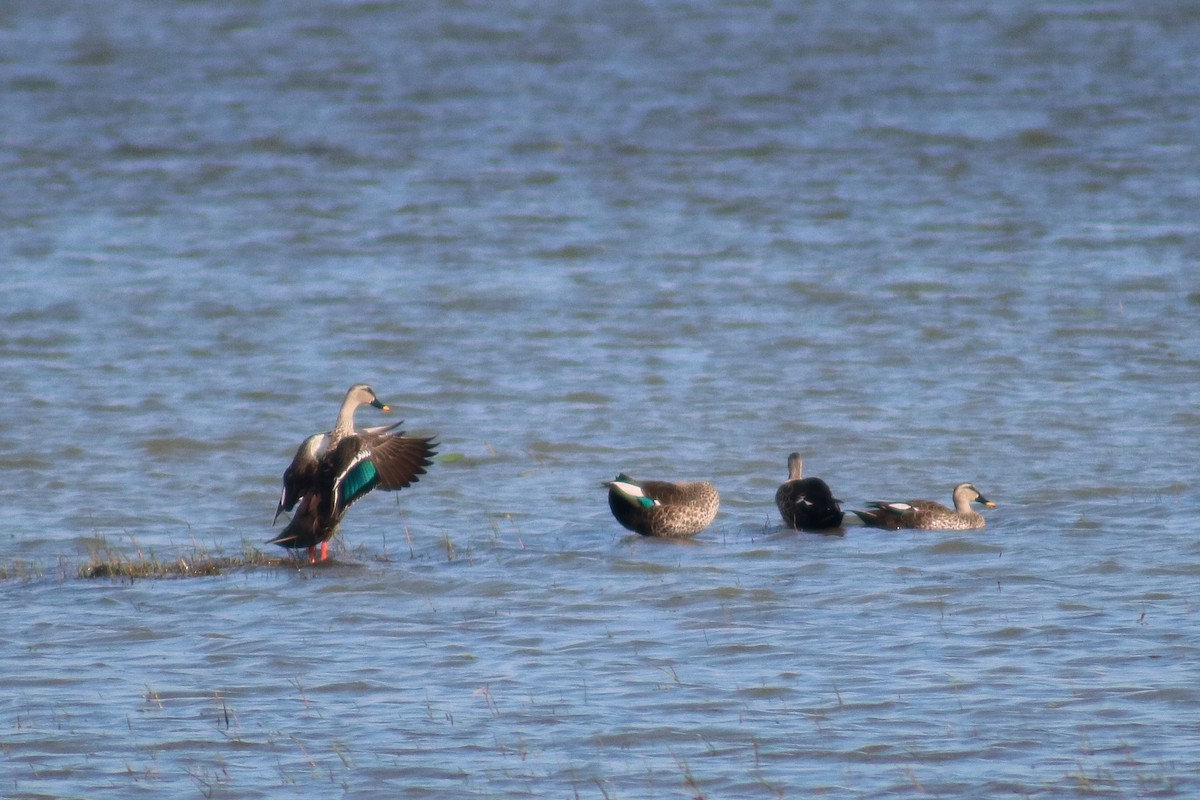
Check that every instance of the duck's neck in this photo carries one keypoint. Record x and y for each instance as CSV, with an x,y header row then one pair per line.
x,y
345,419
962,504
795,469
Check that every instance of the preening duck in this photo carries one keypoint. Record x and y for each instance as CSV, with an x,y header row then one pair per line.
x,y
662,508
333,470
806,504
928,515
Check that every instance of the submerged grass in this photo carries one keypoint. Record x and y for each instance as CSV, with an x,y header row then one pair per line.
x,y
20,570
183,561
105,562
181,567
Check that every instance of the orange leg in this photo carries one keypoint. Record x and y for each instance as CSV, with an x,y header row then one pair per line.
x,y
312,555
325,550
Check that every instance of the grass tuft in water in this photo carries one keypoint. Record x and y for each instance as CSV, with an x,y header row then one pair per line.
x,y
106,563
20,571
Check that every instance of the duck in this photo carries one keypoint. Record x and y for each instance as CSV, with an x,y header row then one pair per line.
x,y
806,504
333,470
662,508
927,515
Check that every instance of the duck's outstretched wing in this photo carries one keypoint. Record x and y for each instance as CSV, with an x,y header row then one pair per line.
x,y
399,460
366,461
355,477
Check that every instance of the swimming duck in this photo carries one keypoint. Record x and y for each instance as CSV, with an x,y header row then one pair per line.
x,y
927,515
662,508
334,469
806,504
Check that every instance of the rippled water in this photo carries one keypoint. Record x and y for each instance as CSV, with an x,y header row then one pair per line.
x,y
920,243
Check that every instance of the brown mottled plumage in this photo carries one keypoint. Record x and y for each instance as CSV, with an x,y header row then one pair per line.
x,y
928,515
662,508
